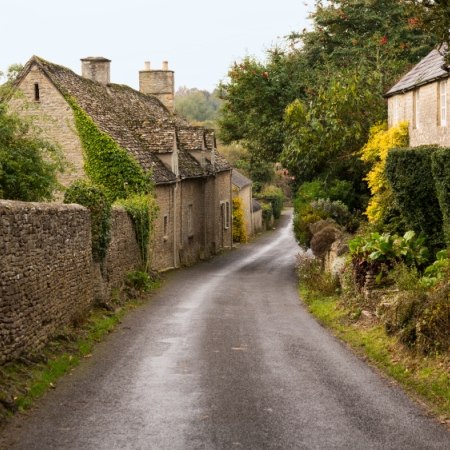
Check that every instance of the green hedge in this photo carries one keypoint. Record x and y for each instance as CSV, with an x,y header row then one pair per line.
x,y
410,175
274,195
440,163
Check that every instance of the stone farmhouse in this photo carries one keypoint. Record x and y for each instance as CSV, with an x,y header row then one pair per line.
x,y
192,181
421,98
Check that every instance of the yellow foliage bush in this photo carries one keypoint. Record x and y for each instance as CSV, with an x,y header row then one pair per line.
x,y
239,231
381,140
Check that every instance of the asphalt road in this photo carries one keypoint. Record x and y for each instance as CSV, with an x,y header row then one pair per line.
x,y
226,357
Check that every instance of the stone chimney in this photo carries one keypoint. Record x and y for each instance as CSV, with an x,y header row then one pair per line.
x,y
96,68
160,83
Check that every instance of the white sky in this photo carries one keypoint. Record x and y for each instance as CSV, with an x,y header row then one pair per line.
x,y
199,38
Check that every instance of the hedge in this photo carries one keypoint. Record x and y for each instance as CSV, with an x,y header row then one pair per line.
x,y
440,162
410,175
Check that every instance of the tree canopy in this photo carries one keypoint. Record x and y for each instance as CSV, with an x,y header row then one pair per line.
x,y
312,102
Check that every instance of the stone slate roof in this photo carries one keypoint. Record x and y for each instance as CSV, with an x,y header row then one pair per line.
x,y
139,123
256,206
429,69
240,180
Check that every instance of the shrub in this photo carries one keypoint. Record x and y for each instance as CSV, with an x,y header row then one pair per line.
x,y
274,195
93,198
267,212
239,230
312,276
441,174
375,152
143,211
378,253
410,176
335,210
302,221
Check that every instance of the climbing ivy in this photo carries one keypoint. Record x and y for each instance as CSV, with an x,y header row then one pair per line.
x,y
120,177
106,163
143,210
93,198
239,231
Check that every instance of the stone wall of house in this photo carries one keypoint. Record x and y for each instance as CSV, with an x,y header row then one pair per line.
x,y
162,242
55,118
424,126
223,196
192,239
47,277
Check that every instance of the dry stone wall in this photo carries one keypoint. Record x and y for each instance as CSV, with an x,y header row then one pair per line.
x,y
47,277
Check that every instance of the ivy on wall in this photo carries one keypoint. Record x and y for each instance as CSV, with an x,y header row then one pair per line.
x,y
113,171
106,163
143,210
239,232
84,193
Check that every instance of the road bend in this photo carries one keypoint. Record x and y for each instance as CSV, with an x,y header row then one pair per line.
x,y
225,356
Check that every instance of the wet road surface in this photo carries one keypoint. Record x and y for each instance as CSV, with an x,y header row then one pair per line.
x,y
225,357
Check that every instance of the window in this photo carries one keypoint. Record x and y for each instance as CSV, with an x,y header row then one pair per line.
x,y
37,95
443,103
190,224
416,108
225,210
166,226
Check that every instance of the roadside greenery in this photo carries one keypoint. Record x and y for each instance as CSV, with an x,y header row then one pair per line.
x,y
239,230
29,164
92,197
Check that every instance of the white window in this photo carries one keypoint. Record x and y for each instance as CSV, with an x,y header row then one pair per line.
x,y
443,103
416,108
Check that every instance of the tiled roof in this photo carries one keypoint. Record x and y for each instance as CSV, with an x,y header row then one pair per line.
x,y
240,180
429,69
139,123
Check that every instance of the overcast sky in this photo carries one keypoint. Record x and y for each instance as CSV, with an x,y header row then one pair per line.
x,y
199,38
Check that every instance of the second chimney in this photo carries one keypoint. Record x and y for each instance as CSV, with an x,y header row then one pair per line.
x,y
96,68
159,83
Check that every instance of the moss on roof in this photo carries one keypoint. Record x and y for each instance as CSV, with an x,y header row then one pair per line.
x,y
139,123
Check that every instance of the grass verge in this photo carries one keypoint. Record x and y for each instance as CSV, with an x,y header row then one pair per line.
x,y
427,379
25,380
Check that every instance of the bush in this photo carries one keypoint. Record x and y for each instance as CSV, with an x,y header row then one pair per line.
x,y
28,164
275,196
143,210
440,163
312,275
375,152
93,198
379,253
239,230
410,176
335,210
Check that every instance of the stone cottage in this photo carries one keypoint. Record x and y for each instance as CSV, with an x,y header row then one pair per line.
x,y
192,181
421,98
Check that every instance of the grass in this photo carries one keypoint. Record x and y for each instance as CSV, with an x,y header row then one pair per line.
x,y
24,381
427,379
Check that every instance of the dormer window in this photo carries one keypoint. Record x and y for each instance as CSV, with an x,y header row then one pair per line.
x,y
37,95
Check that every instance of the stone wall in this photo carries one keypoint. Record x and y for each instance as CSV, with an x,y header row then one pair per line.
x,y
47,277
45,272
425,128
54,116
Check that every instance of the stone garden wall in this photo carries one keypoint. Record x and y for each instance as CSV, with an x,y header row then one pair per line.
x,y
47,277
